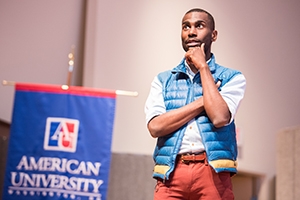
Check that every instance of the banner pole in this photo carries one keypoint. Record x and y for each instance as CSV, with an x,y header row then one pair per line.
x,y
8,83
71,64
66,87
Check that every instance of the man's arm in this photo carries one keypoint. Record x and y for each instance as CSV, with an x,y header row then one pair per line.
x,y
214,105
169,122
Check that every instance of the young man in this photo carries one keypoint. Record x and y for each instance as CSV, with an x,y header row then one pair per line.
x,y
190,110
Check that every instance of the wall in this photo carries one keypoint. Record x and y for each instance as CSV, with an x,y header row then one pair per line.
x,y
4,136
128,42
137,39
36,37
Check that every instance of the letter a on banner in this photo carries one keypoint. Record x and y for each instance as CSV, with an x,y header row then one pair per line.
x,y
60,143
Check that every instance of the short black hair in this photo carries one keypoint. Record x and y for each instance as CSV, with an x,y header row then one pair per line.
x,y
210,17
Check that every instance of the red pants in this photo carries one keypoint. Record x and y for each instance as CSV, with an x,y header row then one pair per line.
x,y
195,181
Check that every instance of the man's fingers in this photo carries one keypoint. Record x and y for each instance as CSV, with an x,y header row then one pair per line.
x,y
218,84
202,46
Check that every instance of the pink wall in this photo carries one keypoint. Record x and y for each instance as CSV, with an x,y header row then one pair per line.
x,y
137,40
128,42
35,39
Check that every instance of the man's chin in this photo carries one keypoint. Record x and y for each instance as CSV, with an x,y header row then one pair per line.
x,y
192,46
186,48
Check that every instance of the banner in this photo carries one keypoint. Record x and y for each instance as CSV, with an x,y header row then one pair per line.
x,y
60,143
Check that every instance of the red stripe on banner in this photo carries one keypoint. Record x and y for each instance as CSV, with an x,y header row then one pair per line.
x,y
75,90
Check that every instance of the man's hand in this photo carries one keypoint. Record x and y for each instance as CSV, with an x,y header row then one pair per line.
x,y
196,58
218,84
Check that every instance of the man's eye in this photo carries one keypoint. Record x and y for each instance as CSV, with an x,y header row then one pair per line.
x,y
200,26
185,27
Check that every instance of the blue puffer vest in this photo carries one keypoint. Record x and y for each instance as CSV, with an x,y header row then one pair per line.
x,y
220,143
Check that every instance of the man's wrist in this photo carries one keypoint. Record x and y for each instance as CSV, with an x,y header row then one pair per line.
x,y
202,67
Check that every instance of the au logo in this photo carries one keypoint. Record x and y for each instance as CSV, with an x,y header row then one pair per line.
x,y
61,134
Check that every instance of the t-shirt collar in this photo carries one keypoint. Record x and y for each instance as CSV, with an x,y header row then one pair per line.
x,y
188,69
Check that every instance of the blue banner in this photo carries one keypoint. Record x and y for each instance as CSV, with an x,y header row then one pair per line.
x,y
60,143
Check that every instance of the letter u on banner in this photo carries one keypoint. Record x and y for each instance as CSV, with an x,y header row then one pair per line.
x,y
60,143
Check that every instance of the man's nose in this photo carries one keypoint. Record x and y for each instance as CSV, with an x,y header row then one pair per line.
x,y
192,32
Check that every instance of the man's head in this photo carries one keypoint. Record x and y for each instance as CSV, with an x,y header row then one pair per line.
x,y
198,26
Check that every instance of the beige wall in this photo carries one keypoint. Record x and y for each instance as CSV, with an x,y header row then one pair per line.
x,y
128,42
36,37
139,39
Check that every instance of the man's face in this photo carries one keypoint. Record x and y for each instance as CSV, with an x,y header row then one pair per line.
x,y
196,30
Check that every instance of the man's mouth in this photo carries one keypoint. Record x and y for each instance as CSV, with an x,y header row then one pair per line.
x,y
193,43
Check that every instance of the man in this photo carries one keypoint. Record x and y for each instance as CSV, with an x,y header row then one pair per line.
x,y
190,110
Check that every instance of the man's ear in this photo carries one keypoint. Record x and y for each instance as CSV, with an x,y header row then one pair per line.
x,y
214,35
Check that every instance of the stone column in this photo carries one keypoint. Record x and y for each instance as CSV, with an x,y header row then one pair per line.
x,y
288,164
